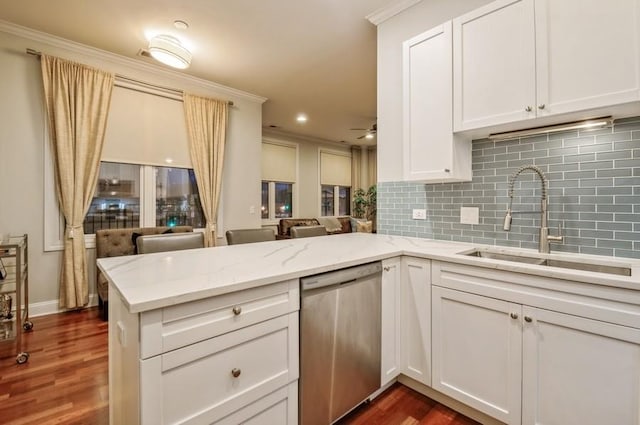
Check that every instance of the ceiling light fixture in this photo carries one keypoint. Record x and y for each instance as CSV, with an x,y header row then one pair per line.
x,y
168,50
301,118
181,25
369,136
591,124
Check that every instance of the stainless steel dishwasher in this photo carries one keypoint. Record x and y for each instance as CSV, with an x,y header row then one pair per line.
x,y
339,341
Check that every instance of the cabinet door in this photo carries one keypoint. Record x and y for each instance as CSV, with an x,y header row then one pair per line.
x,y
477,349
431,151
579,371
587,54
494,65
416,319
279,407
391,308
211,379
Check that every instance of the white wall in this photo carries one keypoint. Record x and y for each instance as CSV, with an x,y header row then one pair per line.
x,y
391,33
22,147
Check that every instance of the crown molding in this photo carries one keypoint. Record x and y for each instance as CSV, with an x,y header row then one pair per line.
x,y
381,15
63,43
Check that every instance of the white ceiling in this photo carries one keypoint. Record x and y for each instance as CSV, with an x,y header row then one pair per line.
x,y
312,56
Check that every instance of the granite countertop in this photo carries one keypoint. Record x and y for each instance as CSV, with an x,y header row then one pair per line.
x,y
151,281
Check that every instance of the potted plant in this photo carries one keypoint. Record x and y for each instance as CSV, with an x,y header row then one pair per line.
x,y
364,204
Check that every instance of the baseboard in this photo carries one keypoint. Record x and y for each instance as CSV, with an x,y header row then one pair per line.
x,y
448,401
52,307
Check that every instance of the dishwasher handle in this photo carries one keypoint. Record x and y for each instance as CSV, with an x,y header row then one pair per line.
x,y
340,276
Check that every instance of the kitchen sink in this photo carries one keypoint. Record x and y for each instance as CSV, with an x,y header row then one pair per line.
x,y
550,262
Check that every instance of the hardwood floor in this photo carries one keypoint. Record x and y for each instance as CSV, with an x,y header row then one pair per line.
x,y
65,381
400,405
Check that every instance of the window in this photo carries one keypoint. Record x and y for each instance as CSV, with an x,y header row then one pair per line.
x,y
116,202
279,172
329,194
277,200
335,183
121,198
177,198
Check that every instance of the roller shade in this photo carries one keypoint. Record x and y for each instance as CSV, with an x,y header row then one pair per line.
x,y
278,163
146,129
335,169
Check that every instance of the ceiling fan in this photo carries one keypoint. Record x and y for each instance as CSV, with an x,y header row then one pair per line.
x,y
369,131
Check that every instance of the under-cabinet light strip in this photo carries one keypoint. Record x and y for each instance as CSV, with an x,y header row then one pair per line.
x,y
589,124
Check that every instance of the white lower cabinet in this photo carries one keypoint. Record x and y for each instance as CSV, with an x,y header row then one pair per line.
x,y
416,319
277,408
477,352
578,371
524,364
223,360
390,358
213,378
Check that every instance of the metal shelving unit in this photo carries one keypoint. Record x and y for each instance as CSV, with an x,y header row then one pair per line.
x,y
14,289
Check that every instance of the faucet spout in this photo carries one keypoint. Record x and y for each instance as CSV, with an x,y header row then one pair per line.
x,y
544,238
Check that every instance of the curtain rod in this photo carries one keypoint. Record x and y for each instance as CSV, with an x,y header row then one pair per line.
x,y
123,80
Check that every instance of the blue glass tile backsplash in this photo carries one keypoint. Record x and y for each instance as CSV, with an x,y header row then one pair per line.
x,y
594,194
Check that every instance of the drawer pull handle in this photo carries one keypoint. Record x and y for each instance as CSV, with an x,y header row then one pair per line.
x,y
237,310
528,319
514,315
386,269
235,372
528,109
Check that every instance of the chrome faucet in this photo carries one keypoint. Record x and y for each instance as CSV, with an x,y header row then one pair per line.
x,y
545,238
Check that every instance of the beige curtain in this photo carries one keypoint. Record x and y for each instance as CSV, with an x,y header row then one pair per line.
x,y
372,166
77,101
356,159
206,126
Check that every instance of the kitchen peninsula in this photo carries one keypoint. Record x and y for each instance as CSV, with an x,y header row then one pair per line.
x,y
211,335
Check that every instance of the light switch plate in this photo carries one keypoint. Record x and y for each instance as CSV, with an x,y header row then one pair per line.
x,y
469,215
419,214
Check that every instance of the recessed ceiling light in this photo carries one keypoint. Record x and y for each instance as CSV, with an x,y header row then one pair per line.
x,y
168,160
369,136
169,51
301,118
181,25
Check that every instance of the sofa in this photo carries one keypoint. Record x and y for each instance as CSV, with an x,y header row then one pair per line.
x,y
118,242
285,225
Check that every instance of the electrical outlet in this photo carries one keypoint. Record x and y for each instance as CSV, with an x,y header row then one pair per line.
x,y
469,215
419,214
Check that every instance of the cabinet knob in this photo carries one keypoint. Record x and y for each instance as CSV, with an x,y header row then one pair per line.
x,y
237,310
541,106
528,109
514,315
235,372
386,269
446,170
528,319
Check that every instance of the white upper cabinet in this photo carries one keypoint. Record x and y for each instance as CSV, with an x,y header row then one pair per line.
x,y
587,54
432,153
521,59
494,65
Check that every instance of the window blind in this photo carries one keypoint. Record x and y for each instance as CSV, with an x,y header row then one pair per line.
x,y
278,163
335,169
146,129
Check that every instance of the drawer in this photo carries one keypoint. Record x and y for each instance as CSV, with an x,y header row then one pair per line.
x,y
278,408
177,326
196,384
